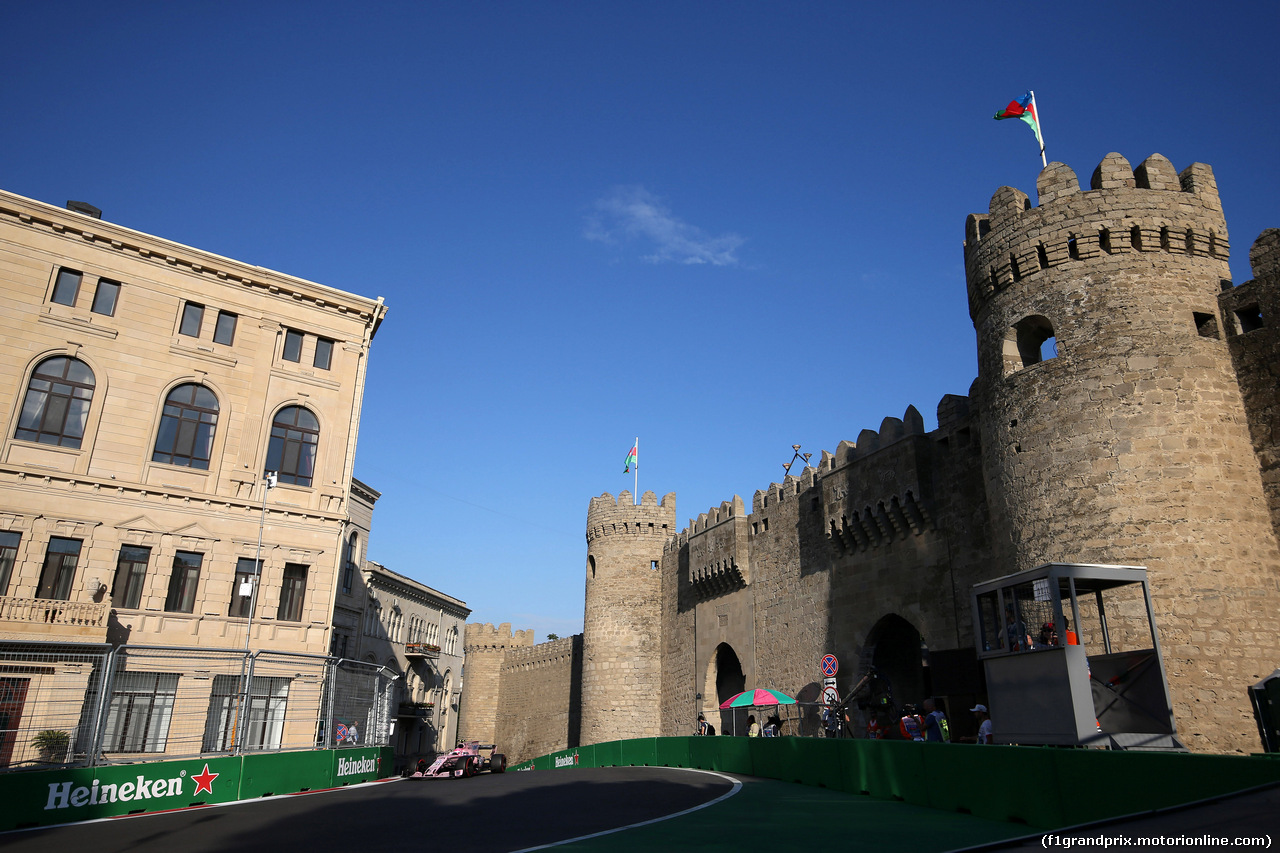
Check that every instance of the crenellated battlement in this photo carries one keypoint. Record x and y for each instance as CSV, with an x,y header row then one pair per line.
x,y
479,637
1264,256
610,516
1150,209
558,652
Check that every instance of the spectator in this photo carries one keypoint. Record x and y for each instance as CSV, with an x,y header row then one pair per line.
x,y
831,721
984,722
753,728
911,726
876,728
704,728
936,728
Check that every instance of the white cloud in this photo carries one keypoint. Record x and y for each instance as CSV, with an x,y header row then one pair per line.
x,y
634,214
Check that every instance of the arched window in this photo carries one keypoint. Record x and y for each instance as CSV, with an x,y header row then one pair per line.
x,y
186,427
349,553
56,407
295,433
1029,341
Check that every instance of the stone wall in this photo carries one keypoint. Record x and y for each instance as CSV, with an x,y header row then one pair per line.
x,y
1249,314
538,708
1131,446
1125,412
485,649
621,666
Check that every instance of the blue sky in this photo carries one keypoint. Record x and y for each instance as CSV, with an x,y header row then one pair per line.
x,y
726,228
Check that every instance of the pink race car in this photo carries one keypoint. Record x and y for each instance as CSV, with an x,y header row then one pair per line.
x,y
464,760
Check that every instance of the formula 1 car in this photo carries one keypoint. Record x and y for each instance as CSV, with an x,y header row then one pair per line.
x,y
463,761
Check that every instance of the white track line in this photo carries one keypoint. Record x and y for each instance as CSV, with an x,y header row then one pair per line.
x,y
737,786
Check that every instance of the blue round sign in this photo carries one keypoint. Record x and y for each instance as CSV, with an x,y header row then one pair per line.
x,y
829,665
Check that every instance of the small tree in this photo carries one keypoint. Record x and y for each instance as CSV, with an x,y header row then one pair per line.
x,y
52,744
553,636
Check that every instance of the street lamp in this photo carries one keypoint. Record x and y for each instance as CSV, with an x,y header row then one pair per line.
x,y
269,479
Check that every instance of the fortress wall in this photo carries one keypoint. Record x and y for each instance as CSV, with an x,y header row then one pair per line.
x,y
892,524
791,587
485,648
538,710
1132,445
1251,320
679,685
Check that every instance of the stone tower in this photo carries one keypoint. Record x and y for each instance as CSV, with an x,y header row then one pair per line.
x,y
621,637
1112,424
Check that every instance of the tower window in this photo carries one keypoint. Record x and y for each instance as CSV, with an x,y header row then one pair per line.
x,y
1029,341
1206,324
1249,318
1104,240
1042,256
1073,248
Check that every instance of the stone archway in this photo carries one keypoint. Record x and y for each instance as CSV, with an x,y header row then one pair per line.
x,y
896,650
725,678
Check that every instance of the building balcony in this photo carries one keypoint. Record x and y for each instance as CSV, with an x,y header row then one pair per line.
x,y
422,650
418,710
50,619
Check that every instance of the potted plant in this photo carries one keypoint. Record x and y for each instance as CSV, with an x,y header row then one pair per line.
x,y
52,744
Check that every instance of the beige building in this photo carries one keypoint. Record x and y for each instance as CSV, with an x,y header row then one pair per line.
x,y
147,387
417,632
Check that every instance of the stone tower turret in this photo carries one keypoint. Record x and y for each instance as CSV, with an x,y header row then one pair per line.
x,y
1112,424
621,638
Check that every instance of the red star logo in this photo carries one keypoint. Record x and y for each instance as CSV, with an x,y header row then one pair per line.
x,y
204,782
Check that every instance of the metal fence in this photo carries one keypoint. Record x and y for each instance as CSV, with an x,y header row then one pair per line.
x,y
68,704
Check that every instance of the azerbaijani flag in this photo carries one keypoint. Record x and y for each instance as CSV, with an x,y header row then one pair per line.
x,y
631,460
1025,109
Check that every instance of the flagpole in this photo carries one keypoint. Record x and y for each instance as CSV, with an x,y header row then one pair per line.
x,y
1040,127
636,494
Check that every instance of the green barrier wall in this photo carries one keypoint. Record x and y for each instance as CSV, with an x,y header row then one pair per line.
x,y
1042,787
44,797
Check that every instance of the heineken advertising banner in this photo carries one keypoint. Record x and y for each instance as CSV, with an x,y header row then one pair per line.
x,y
45,797
356,765
62,796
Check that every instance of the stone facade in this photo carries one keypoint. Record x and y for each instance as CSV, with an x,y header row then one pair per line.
x,y
485,648
1126,411
140,325
621,642
146,387
417,632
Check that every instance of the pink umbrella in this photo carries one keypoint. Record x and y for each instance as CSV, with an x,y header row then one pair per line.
x,y
756,698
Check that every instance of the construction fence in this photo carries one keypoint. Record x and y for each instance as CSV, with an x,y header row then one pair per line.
x,y
80,705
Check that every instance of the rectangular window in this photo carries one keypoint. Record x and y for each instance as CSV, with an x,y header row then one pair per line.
x,y
324,353
292,345
265,724
292,590
131,571
141,708
67,287
242,589
183,582
8,556
59,569
225,332
192,317
104,298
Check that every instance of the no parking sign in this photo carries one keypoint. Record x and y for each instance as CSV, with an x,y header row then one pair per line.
x,y
829,665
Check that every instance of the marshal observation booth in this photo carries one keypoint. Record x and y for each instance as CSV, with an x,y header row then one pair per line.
x,y
1072,658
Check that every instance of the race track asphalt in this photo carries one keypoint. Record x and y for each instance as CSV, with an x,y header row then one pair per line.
x,y
502,812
